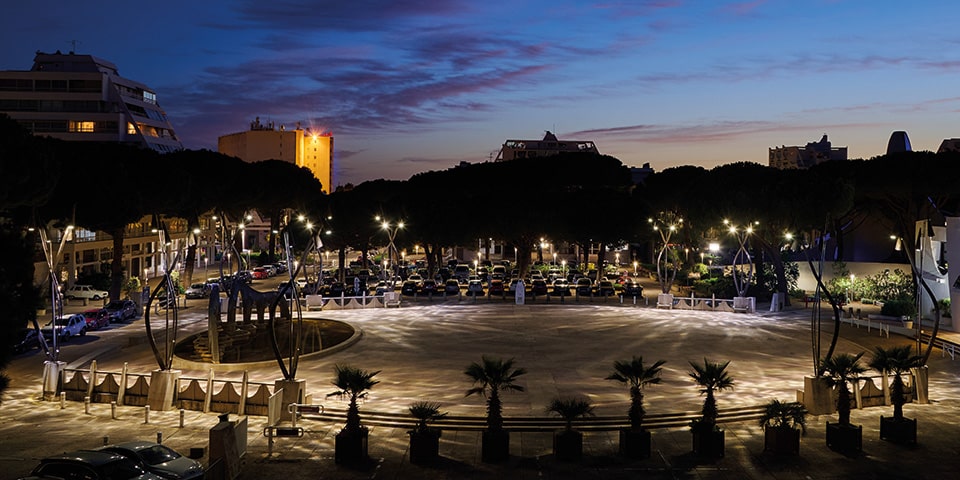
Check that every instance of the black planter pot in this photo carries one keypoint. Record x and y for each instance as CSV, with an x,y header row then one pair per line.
x,y
568,445
351,447
635,443
898,431
844,438
424,446
781,440
496,446
708,443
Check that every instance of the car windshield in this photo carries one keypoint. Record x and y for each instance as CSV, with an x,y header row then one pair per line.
x,y
198,286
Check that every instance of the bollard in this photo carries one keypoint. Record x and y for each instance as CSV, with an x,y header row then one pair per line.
x,y
181,418
159,437
270,445
86,405
106,440
63,400
113,410
146,414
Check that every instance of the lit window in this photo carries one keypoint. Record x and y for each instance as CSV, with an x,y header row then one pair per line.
x,y
149,97
131,129
80,127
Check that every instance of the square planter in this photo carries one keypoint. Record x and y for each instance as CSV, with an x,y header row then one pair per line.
x,y
781,440
568,445
708,444
903,431
844,438
635,443
424,446
351,447
495,446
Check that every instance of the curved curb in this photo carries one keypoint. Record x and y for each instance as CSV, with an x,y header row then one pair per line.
x,y
182,363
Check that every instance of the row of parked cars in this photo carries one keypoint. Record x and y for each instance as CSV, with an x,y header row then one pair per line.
x,y
130,460
76,324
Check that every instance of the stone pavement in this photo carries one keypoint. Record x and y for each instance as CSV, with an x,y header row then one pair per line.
x,y
422,350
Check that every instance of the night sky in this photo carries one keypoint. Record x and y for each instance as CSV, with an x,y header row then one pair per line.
x,y
412,85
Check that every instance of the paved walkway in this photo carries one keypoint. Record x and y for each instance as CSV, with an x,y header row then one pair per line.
x,y
567,349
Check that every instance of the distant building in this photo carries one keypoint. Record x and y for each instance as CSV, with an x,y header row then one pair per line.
x,y
899,142
82,98
313,150
811,154
949,145
639,174
514,149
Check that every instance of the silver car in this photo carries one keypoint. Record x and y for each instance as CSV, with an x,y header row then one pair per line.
x,y
158,459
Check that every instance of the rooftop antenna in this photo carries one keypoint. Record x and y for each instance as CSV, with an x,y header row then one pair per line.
x,y
73,46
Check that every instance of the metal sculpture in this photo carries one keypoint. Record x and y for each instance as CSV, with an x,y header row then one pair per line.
x,y
52,350
290,294
742,263
167,302
668,260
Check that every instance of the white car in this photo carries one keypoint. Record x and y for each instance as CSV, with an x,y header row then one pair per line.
x,y
67,326
84,291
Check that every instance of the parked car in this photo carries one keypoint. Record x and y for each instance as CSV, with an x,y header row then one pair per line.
x,y
66,327
121,310
409,288
26,339
92,465
260,273
605,288
451,287
475,287
561,287
158,459
96,318
271,270
538,286
584,287
84,291
495,288
632,288
429,287
198,290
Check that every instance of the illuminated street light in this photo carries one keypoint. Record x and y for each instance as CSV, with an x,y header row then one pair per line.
x,y
741,278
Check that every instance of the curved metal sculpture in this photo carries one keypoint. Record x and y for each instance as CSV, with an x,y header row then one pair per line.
x,y
52,350
167,302
668,260
742,263
290,293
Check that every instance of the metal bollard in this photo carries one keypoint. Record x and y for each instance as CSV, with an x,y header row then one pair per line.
x,y
113,410
106,440
63,400
86,405
182,416
146,414
159,437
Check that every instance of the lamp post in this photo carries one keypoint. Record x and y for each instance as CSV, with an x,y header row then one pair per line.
x,y
666,224
634,268
564,270
391,235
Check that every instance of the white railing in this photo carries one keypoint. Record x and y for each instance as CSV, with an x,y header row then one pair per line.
x,y
883,328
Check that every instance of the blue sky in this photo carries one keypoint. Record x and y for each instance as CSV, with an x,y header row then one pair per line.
x,y
413,85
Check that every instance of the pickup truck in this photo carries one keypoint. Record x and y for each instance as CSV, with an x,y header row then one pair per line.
x,y
84,291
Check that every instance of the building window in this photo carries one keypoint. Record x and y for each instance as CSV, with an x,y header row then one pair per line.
x,y
80,126
131,128
149,97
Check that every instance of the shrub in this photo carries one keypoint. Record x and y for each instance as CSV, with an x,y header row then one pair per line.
x,y
898,308
945,307
790,269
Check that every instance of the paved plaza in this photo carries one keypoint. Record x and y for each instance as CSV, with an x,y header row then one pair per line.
x,y
422,349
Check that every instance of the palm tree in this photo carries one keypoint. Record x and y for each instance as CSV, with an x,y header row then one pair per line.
x,y
713,377
895,360
352,383
635,374
841,369
784,415
425,412
490,376
571,409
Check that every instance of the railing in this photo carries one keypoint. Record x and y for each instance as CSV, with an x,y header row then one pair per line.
x,y
946,346
537,424
882,327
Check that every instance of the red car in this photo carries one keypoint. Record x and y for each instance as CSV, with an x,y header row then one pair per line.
x,y
96,319
260,273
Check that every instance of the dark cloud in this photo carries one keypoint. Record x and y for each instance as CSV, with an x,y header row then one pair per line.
x,y
338,15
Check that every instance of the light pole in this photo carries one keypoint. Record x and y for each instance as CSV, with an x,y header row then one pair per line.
x,y
667,262
391,235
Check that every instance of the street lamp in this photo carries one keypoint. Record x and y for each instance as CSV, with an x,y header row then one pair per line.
x,y
741,279
668,264
634,268
391,235
564,270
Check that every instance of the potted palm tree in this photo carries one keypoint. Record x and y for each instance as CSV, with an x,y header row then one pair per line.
x,y
896,360
424,439
490,377
352,383
635,441
782,424
842,369
707,437
568,443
